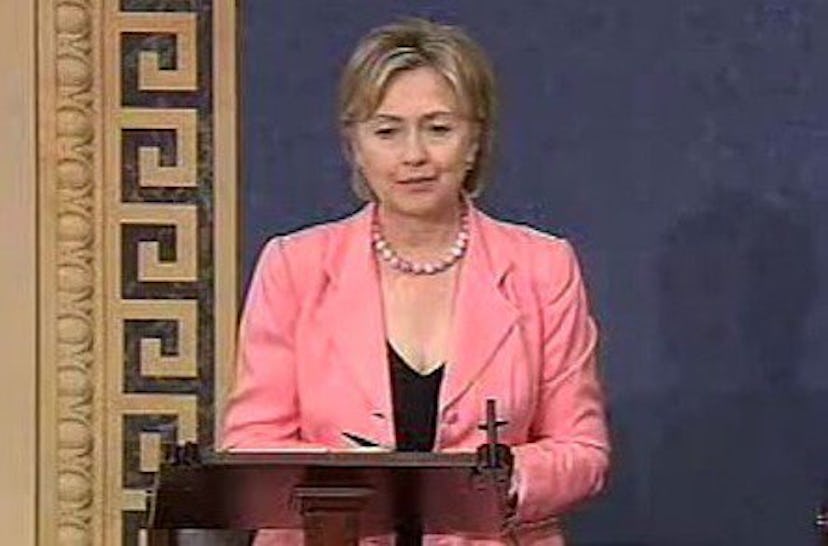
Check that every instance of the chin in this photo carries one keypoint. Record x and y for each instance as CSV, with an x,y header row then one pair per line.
x,y
424,204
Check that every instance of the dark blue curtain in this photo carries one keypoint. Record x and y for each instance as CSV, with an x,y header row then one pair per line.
x,y
683,147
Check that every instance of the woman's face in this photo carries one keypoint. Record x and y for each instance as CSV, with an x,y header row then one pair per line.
x,y
416,149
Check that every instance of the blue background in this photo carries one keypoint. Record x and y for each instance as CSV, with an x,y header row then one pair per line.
x,y
682,146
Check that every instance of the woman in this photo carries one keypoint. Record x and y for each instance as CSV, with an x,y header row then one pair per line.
x,y
396,324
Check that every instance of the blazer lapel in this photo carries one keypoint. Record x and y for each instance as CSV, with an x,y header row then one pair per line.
x,y
353,311
483,316
353,317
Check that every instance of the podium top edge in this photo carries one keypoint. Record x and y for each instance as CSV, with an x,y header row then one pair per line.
x,y
391,459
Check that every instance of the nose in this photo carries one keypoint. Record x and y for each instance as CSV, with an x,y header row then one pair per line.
x,y
414,152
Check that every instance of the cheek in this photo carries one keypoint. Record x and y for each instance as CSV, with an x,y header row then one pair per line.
x,y
453,161
454,155
373,162
377,173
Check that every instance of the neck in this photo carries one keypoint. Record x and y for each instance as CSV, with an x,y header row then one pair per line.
x,y
418,236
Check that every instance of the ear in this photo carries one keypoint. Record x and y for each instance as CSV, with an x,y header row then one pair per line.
x,y
356,155
471,153
350,147
474,143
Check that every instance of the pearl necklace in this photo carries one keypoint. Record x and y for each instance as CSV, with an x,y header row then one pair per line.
x,y
387,253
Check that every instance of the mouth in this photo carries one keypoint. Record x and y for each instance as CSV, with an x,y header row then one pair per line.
x,y
417,180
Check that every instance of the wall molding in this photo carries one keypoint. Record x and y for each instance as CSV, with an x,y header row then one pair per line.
x,y
137,249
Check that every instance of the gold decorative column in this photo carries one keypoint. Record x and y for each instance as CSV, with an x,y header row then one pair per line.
x,y
137,254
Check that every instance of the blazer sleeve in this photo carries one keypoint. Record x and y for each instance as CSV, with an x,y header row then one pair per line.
x,y
567,457
263,409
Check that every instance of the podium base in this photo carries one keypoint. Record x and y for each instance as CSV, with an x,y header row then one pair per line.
x,y
331,514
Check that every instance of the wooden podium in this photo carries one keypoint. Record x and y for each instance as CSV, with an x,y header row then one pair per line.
x,y
335,497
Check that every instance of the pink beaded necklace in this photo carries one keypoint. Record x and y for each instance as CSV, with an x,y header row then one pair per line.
x,y
390,256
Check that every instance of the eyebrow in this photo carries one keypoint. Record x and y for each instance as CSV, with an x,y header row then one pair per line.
x,y
427,117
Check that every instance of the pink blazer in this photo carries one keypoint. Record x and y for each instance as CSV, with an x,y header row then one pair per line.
x,y
312,359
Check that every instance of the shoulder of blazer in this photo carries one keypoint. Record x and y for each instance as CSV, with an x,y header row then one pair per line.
x,y
304,252
547,261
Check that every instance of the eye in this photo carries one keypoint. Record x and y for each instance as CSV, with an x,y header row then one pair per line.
x,y
440,129
385,132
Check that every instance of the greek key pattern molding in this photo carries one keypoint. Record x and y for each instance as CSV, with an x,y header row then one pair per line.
x,y
160,229
137,250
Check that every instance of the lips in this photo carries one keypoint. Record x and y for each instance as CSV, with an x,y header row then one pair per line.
x,y
418,180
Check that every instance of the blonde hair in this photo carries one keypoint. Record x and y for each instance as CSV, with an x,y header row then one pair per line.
x,y
406,45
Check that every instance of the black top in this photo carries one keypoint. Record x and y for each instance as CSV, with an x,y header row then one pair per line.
x,y
415,398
